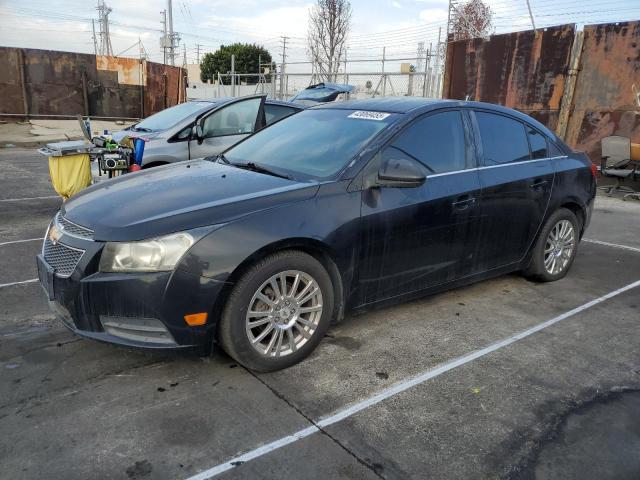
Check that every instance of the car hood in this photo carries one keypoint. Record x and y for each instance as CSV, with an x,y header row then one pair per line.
x,y
177,197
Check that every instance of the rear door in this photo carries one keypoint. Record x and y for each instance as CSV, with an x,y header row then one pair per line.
x,y
415,238
516,180
227,125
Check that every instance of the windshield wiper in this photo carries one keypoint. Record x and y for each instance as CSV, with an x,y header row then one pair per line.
x,y
254,167
141,129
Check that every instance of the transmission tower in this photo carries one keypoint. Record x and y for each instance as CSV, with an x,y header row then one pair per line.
x,y
103,23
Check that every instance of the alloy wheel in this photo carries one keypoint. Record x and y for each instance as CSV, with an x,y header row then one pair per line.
x,y
284,313
559,247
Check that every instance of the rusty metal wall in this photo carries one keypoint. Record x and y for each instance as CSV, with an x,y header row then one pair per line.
x,y
530,71
44,82
606,100
522,70
165,87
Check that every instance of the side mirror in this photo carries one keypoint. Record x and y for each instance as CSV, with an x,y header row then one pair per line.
x,y
400,173
197,133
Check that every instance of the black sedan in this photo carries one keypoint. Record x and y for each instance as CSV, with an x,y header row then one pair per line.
x,y
339,208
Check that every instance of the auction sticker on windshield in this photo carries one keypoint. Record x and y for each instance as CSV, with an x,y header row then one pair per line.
x,y
369,115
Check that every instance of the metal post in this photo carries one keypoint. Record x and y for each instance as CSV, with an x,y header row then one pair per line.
x,y
23,85
533,24
384,77
426,84
437,67
567,98
233,75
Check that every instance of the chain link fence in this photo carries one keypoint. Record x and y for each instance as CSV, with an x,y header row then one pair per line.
x,y
284,86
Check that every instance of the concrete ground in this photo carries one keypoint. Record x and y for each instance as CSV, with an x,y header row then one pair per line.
x,y
561,402
40,132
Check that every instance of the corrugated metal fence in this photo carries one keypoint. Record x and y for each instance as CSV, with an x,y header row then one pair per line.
x,y
45,82
584,85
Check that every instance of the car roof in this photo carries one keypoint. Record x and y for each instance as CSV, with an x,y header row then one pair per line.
x,y
223,100
382,104
419,105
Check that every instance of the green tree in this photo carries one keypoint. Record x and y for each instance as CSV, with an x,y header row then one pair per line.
x,y
247,58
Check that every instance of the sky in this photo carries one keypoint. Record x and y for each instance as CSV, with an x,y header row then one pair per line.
x,y
397,25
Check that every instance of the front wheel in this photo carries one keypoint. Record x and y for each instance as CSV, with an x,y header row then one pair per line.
x,y
556,247
278,311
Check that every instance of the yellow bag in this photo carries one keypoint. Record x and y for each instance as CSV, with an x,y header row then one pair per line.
x,y
70,174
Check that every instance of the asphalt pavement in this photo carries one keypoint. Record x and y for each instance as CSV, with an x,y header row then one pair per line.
x,y
503,379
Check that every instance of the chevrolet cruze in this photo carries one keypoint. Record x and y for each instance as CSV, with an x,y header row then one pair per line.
x,y
339,208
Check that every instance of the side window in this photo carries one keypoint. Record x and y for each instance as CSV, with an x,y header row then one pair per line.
x,y
437,141
503,139
273,113
235,119
538,143
554,151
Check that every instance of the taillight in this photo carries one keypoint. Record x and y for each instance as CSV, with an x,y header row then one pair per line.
x,y
594,170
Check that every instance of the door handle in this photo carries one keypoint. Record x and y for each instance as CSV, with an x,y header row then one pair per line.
x,y
538,184
463,203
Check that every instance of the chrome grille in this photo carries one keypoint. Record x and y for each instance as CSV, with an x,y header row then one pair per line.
x,y
61,257
71,228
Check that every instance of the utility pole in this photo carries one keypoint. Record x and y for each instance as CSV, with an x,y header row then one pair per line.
x,y
184,56
103,23
533,24
170,39
198,52
437,68
95,40
283,68
172,43
164,38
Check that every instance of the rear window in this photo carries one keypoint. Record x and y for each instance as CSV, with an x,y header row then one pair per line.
x,y
504,139
538,143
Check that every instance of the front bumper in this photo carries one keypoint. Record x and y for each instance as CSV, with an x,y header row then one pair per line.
x,y
132,309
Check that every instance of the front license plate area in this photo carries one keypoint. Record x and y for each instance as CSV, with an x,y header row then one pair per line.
x,y
45,275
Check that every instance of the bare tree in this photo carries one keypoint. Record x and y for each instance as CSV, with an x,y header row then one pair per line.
x,y
471,20
329,24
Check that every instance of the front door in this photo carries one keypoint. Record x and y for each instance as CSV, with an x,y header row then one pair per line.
x,y
226,126
516,182
414,238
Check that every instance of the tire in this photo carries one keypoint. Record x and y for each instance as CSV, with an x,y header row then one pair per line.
x,y
537,270
301,323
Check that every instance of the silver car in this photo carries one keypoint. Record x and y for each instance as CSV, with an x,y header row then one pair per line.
x,y
203,128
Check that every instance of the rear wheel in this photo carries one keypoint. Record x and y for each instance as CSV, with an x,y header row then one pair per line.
x,y
556,247
278,311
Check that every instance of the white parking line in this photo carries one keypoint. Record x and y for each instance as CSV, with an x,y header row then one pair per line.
x,y
614,245
28,198
399,388
21,241
2,285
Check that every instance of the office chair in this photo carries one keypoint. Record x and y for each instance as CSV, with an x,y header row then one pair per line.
x,y
616,160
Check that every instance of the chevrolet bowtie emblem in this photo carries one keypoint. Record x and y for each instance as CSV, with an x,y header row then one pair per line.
x,y
54,235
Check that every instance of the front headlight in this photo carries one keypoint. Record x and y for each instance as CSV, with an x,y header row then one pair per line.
x,y
156,255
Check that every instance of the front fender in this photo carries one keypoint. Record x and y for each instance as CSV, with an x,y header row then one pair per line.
x,y
330,218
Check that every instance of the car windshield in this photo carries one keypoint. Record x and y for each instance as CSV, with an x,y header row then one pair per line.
x,y
169,117
314,143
